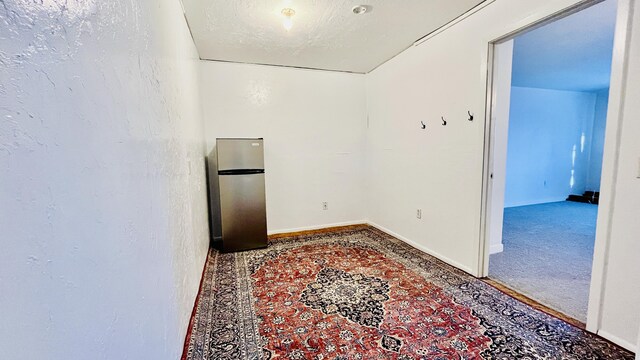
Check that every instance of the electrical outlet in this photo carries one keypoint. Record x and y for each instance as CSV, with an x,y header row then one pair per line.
x,y
419,213
325,205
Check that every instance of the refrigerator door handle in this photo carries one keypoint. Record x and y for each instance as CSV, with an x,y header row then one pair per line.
x,y
241,172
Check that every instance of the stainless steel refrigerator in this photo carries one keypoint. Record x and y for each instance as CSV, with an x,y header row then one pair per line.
x,y
237,195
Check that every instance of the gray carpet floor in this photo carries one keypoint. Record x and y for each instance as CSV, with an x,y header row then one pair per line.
x,y
548,253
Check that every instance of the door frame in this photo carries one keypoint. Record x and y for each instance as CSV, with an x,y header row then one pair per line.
x,y
611,147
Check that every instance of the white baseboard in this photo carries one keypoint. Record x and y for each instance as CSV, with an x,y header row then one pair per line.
x,y
616,340
315,227
425,249
496,248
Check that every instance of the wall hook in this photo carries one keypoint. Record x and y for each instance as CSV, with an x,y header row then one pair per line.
x,y
444,122
424,126
470,115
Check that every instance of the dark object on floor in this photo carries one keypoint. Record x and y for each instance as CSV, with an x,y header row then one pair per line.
x,y
589,197
362,294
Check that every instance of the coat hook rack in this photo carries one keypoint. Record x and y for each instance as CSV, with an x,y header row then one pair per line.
x,y
444,122
470,115
424,126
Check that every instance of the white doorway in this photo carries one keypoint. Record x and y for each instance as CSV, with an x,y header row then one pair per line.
x,y
548,108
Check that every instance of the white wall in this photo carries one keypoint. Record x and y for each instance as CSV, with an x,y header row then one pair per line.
x,y
104,227
502,74
621,296
440,169
549,145
597,140
313,124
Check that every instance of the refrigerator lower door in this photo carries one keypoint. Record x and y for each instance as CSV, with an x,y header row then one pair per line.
x,y
242,205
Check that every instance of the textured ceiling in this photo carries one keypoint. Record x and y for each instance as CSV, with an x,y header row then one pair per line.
x,y
325,34
573,53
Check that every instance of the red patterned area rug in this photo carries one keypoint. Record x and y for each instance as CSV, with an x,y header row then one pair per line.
x,y
362,294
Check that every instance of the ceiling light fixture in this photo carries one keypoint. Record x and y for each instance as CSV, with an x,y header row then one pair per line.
x,y
288,14
359,10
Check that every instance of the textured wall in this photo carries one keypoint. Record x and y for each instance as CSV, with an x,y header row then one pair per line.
x,y
313,124
103,215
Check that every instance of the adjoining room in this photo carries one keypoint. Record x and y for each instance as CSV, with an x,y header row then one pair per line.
x,y
553,135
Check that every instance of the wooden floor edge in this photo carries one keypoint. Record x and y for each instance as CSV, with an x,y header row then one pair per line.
x,y
320,231
192,319
533,303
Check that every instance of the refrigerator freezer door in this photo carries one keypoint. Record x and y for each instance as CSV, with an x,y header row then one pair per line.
x,y
237,154
244,219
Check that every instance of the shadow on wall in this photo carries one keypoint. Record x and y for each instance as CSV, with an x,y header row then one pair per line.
x,y
555,144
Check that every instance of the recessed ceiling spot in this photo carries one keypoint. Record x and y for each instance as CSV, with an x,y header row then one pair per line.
x,y
359,10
